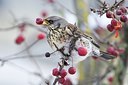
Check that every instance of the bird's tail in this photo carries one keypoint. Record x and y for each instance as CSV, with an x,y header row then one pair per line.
x,y
106,56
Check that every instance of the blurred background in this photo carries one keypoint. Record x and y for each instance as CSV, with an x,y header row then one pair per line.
x,y
25,63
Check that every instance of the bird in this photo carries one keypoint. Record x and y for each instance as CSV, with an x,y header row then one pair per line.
x,y
62,34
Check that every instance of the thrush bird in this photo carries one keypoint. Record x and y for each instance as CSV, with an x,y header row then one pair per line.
x,y
62,34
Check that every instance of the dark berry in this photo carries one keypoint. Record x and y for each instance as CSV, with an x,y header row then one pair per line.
x,y
41,36
61,80
19,39
118,12
123,9
82,51
47,54
109,14
63,73
55,72
123,18
72,70
110,27
39,21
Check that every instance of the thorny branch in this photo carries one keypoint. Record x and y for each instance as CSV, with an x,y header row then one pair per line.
x,y
105,7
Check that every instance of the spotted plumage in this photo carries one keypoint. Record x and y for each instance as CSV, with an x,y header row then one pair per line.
x,y
60,36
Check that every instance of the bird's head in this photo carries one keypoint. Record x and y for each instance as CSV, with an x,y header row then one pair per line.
x,y
54,22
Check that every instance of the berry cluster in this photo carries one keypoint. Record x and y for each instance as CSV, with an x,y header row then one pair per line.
x,y
114,51
118,16
115,11
20,38
61,74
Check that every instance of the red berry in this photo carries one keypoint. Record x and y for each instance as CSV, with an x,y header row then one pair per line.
x,y
44,14
110,27
63,73
82,51
39,21
51,1
113,22
109,14
115,53
55,72
67,82
72,70
41,36
61,80
94,57
123,18
123,9
118,12
110,79
110,49
19,39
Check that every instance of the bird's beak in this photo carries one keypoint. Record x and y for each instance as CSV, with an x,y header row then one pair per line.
x,y
45,22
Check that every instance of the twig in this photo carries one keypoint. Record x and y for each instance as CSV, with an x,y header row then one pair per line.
x,y
22,50
107,71
105,9
76,14
9,28
20,57
36,64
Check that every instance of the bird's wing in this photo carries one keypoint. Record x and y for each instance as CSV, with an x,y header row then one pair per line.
x,y
88,37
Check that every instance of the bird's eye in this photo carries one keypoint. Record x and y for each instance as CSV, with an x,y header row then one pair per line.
x,y
50,21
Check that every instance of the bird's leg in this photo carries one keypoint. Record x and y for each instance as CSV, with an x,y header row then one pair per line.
x,y
56,46
61,50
